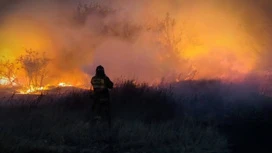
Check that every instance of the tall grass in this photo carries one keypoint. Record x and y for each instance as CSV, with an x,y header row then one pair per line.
x,y
145,119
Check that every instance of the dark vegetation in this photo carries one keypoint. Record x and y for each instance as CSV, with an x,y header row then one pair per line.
x,y
238,110
193,116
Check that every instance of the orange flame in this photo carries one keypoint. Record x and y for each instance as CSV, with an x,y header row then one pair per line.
x,y
62,84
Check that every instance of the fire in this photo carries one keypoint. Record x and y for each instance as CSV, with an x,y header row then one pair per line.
x,y
38,90
62,84
33,90
4,81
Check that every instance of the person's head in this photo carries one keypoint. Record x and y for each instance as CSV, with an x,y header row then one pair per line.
x,y
100,71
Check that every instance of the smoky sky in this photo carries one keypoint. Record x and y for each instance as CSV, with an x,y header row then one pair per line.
x,y
117,35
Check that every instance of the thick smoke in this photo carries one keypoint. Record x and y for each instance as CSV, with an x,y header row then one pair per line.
x,y
225,38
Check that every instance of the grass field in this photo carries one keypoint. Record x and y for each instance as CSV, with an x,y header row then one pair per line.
x,y
189,117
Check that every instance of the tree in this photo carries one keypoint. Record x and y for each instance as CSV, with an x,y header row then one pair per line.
x,y
122,29
171,38
8,70
93,8
35,66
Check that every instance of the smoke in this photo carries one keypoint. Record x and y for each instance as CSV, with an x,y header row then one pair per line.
x,y
223,38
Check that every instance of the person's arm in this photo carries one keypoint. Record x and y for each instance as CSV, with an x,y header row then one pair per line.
x,y
109,83
91,86
91,89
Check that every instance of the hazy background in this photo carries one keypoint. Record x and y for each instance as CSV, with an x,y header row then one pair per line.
x,y
219,38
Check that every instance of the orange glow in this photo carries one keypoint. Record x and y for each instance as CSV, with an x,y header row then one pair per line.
x,y
215,38
16,35
220,48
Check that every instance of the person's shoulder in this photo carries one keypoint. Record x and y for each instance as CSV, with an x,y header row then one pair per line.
x,y
94,77
106,77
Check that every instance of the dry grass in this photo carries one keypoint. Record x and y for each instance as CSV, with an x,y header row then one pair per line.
x,y
145,119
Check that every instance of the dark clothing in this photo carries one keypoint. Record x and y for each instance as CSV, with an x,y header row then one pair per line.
x,y
101,109
101,86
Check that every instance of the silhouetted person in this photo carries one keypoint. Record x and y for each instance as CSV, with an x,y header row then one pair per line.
x,y
101,85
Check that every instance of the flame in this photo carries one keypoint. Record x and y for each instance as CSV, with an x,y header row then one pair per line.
x,y
4,81
38,90
62,84
33,90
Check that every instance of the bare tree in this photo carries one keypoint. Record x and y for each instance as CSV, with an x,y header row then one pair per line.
x,y
93,8
35,66
171,38
122,29
8,70
168,36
